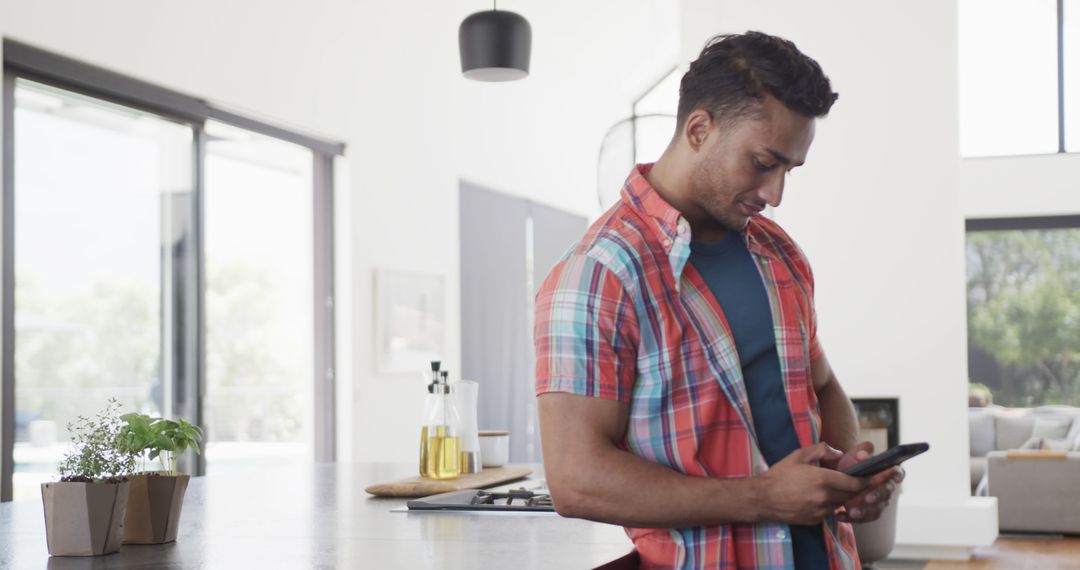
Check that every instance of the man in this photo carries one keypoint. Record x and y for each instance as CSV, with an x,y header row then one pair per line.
x,y
682,389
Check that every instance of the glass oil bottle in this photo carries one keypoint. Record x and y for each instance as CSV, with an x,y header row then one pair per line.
x,y
429,405
440,437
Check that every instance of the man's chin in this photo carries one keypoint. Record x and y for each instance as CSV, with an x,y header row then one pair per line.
x,y
736,225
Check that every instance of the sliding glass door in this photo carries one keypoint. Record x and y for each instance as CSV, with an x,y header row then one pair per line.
x,y
99,195
165,252
259,327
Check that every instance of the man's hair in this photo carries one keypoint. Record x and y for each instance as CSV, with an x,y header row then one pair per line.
x,y
735,72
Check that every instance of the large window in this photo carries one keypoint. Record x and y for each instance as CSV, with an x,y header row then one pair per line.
x,y
165,252
1023,291
259,329
94,188
1018,71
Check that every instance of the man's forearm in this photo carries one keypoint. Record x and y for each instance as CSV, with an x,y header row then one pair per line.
x,y
839,425
592,477
624,489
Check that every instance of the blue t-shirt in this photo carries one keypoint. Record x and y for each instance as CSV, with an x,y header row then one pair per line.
x,y
731,274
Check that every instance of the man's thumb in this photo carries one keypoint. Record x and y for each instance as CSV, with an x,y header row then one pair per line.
x,y
818,452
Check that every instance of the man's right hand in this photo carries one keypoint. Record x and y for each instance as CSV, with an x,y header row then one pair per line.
x,y
796,491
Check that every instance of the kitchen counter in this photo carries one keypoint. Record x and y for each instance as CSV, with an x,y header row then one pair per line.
x,y
320,517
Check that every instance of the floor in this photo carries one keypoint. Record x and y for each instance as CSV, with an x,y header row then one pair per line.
x,y
1010,553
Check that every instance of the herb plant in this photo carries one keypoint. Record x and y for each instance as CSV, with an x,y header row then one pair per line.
x,y
157,438
98,454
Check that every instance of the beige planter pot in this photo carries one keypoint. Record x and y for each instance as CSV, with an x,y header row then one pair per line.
x,y
153,508
84,519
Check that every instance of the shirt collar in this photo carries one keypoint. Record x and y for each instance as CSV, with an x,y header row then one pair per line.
x,y
642,197
668,225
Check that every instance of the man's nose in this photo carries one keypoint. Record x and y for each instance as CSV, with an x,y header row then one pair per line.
x,y
773,190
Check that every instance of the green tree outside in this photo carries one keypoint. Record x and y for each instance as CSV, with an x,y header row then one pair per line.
x,y
77,351
1023,310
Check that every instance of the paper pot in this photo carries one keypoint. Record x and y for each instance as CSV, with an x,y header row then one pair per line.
x,y
84,519
153,509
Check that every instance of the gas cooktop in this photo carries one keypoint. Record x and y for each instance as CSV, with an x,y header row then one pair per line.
x,y
474,500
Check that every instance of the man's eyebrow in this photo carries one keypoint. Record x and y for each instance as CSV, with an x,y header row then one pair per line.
x,y
780,156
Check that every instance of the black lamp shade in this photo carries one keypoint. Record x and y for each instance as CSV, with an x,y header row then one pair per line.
x,y
495,46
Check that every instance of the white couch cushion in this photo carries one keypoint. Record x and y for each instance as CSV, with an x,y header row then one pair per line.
x,y
1054,444
1012,429
1051,428
981,429
1032,443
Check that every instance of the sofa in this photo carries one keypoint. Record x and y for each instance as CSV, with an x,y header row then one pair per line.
x,y
997,428
1036,491
1029,458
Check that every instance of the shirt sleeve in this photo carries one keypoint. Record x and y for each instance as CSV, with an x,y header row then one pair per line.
x,y
807,275
586,332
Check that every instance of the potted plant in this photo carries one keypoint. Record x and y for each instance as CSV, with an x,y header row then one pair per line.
x,y
84,511
156,497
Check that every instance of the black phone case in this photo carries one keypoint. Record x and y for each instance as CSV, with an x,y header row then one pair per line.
x,y
889,458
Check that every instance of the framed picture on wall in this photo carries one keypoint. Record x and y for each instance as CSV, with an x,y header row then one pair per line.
x,y
410,321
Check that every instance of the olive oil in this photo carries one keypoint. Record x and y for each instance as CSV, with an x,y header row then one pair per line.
x,y
443,454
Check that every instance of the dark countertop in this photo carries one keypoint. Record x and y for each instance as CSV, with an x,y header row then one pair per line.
x,y
320,517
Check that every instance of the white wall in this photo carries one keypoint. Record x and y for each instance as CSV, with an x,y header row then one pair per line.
x,y
1047,185
877,209
384,78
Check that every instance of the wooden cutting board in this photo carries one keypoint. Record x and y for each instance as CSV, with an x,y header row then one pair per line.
x,y
423,487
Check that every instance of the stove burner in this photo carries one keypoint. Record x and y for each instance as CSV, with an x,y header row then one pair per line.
x,y
531,499
472,500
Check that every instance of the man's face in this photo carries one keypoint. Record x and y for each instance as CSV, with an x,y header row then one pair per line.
x,y
741,167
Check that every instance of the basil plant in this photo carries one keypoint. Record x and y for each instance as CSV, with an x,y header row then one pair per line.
x,y
158,438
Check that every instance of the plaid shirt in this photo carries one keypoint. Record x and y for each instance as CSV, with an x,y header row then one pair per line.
x,y
624,317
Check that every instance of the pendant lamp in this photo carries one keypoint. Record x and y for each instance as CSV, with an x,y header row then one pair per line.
x,y
495,46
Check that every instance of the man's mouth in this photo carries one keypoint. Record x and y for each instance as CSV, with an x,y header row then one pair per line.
x,y
751,210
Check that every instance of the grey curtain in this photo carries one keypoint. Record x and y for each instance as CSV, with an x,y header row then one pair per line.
x,y
508,245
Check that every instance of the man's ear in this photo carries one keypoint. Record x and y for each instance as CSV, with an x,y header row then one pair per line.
x,y
698,128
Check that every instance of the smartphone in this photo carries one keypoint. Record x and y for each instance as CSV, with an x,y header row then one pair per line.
x,y
887,459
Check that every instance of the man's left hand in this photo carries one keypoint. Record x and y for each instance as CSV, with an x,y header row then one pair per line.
x,y
867,506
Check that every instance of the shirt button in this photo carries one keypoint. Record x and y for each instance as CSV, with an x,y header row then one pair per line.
x,y
683,229
667,243
780,534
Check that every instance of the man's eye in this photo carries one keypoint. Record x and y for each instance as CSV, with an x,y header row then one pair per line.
x,y
763,167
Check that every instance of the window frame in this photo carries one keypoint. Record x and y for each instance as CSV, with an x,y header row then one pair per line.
x,y
1066,222
1061,75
